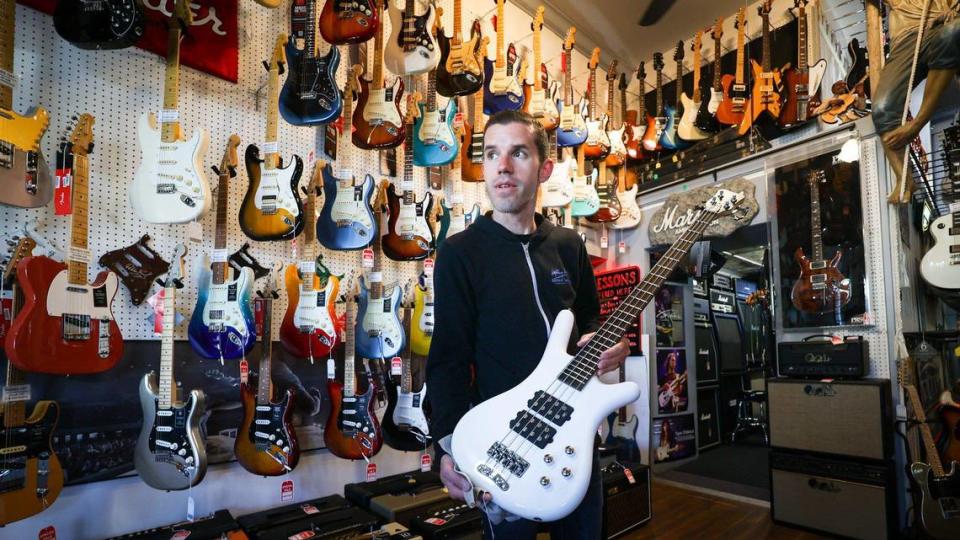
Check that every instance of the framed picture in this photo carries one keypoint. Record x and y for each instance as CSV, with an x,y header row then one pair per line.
x,y
674,438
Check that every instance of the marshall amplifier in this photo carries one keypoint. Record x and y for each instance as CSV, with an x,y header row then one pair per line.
x,y
708,417
220,525
722,301
846,418
699,287
448,519
626,494
821,358
361,493
842,497
721,281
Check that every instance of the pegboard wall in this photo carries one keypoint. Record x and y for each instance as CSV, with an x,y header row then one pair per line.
x,y
118,87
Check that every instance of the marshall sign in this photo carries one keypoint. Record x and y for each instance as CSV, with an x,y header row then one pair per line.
x,y
682,209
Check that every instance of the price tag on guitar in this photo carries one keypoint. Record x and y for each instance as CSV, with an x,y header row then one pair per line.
x,y
366,259
244,371
425,462
396,366
371,472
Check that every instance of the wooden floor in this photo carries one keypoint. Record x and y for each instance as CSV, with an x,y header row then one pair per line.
x,y
681,513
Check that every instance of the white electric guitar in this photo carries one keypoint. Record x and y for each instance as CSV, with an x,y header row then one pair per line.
x,y
630,213
169,186
531,447
940,265
557,191
412,47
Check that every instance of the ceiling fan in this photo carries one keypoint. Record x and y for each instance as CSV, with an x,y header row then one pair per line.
x,y
655,11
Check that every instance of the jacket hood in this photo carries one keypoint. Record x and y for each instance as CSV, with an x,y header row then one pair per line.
x,y
486,224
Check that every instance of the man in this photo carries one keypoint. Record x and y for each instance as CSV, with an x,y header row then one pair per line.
x,y
938,62
499,286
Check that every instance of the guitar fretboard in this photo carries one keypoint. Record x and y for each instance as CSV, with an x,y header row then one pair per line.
x,y
170,130
717,56
167,384
741,29
567,87
802,40
659,91
220,235
500,40
349,371
816,229
765,21
378,51
406,376
264,379
309,36
273,93
77,265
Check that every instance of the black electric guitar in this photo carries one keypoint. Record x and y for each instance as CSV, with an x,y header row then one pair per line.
x,y
404,422
99,24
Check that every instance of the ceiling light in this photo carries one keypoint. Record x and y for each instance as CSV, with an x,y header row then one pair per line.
x,y
850,151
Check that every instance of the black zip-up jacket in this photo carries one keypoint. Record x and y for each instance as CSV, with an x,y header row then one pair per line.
x,y
492,316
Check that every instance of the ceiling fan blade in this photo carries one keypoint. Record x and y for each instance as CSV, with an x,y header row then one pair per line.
x,y
656,11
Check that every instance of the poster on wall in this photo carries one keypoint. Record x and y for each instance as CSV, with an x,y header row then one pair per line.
x,y
671,381
613,286
673,438
669,316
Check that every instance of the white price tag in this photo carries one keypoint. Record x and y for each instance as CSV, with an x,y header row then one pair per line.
x,y
16,393
270,147
955,207
604,239
78,254
621,247
331,369
456,198
344,174
406,185
307,267
8,79
396,366
195,231
168,115
190,508
366,258
218,255
375,277
428,268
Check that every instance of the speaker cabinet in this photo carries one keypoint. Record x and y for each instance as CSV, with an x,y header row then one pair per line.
x,y
842,497
708,417
706,358
847,418
626,498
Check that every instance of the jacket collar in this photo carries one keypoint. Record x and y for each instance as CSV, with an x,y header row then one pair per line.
x,y
486,224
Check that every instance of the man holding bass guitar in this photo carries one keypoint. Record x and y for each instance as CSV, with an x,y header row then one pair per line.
x,y
499,285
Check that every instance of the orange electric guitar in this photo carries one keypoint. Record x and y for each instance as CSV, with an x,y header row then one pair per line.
x,y
766,96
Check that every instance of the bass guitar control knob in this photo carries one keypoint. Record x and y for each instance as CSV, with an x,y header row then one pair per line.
x,y
568,450
548,459
565,472
544,481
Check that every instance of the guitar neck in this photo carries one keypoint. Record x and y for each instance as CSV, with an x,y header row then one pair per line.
x,y
378,52
167,384
740,54
593,94
765,59
14,413
349,374
679,82
567,86
170,130
696,75
500,40
479,121
457,22
406,375
432,90
623,107
8,16
264,380
537,58
717,56
659,92
552,138
610,112
220,234
622,411
933,455
802,40
310,31
77,266
271,158
816,231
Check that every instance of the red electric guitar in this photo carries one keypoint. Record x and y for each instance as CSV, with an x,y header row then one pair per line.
x,y
66,325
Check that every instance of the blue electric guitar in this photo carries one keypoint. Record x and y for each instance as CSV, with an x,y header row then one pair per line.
x,y
621,432
379,333
572,130
310,95
346,220
222,325
501,89
434,141
586,199
668,137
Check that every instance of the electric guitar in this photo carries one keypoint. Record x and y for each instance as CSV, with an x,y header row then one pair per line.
x,y
310,96
31,473
532,446
421,328
453,219
346,221
939,512
536,100
170,452
621,431
266,442
630,213
821,288
379,331
669,138
501,89
412,47
169,186
557,191
24,175
405,424
617,137
766,95
309,328
352,430
667,396
735,94
609,209
586,200
271,208
655,124
459,73
572,130
104,24
348,22
635,149
801,83
435,143
377,120
687,128
597,145
408,236
471,165
940,265
222,325
707,115
66,325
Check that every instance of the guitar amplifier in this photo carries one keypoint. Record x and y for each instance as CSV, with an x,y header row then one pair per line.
x,y
219,525
361,493
722,301
822,358
327,513
350,522
448,519
846,418
402,507
626,494
843,497
708,417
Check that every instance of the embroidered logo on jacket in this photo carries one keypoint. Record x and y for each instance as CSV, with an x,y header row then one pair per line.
x,y
559,276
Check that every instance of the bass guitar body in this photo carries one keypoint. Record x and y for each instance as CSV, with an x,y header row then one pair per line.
x,y
377,121
64,329
352,430
170,452
222,325
379,332
939,501
310,95
572,130
346,220
734,102
434,142
469,77
405,425
271,208
309,326
168,186
821,288
342,23
408,236
937,266
422,54
105,24
33,476
501,91
266,442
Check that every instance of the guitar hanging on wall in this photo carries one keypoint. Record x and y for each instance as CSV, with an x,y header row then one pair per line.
x,y
435,143
377,120
706,116
652,133
66,325
735,94
170,452
453,218
310,96
412,47
669,138
459,72
597,145
103,24
572,130
136,265
687,129
766,95
801,83
617,135
940,265
348,22
405,424
536,100
472,141
501,88
635,149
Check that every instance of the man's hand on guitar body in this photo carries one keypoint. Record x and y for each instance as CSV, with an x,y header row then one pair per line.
x,y
455,483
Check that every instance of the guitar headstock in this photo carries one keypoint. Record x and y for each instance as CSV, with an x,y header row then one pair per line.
x,y
642,72
380,198
741,23
228,164
594,59
697,42
475,29
622,85
279,57
570,40
537,23
270,288
658,64
764,9
678,52
82,135
816,176
413,109
175,272
612,71
800,4
182,17
723,202
353,80
717,31
22,249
